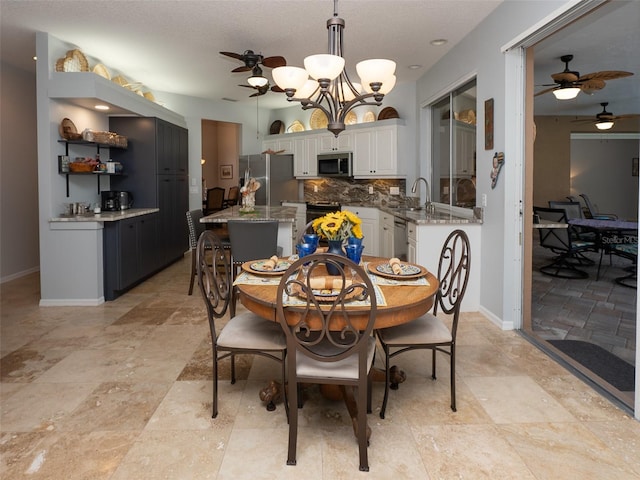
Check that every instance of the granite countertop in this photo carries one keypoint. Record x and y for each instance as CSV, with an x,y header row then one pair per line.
x,y
441,215
105,216
281,214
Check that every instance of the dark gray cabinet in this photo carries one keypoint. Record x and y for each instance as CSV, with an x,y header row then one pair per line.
x,y
157,161
130,253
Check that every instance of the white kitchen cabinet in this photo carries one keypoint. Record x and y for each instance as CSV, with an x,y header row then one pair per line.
x,y
386,245
465,148
276,145
327,142
305,163
301,219
375,153
370,228
412,236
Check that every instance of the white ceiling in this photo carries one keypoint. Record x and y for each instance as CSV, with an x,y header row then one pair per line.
x,y
174,46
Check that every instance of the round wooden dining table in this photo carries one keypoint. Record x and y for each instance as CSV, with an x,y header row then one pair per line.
x,y
404,302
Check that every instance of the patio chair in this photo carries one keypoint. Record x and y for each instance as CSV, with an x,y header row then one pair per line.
x,y
564,243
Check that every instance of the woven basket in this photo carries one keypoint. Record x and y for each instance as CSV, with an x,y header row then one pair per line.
x,y
81,167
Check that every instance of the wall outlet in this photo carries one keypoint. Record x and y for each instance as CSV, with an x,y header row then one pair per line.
x,y
484,199
315,188
193,182
193,189
394,190
370,190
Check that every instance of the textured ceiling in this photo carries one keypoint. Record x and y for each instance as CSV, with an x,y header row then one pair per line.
x,y
174,46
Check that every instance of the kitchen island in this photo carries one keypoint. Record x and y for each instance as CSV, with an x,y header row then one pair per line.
x,y
285,216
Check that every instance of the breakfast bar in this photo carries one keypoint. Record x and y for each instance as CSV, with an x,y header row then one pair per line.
x,y
285,216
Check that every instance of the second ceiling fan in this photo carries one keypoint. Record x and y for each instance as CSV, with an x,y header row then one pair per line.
x,y
605,120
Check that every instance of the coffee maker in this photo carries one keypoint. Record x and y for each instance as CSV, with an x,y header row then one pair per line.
x,y
110,201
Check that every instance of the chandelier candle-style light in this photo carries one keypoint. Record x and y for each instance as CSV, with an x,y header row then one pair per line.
x,y
329,88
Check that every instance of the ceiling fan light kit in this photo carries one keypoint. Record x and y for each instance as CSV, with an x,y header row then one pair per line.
x,y
252,62
566,93
331,90
604,124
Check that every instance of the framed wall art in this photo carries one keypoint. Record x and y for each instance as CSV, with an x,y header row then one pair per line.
x,y
226,171
488,124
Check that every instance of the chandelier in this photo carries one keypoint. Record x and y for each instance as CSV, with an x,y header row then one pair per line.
x,y
329,88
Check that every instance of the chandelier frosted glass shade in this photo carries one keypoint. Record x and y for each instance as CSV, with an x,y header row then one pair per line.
x,y
376,70
324,66
566,93
386,87
290,78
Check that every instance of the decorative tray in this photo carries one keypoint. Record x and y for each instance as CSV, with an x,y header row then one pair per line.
x,y
409,270
256,267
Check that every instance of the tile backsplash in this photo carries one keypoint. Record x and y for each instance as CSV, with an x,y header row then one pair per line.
x,y
352,191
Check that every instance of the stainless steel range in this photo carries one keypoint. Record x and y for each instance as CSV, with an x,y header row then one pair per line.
x,y
319,209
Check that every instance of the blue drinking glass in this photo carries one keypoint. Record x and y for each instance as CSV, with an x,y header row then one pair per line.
x,y
354,241
312,239
354,253
305,249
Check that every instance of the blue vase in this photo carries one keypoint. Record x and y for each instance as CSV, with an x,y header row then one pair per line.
x,y
335,247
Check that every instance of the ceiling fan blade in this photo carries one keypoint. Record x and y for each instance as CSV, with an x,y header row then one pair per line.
x,y
277,89
237,56
592,85
274,62
246,86
627,116
547,90
605,75
241,69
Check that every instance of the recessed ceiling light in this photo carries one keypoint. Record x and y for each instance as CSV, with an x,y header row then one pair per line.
x,y
415,67
438,42
101,107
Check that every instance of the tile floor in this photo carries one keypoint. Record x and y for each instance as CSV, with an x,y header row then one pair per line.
x,y
123,391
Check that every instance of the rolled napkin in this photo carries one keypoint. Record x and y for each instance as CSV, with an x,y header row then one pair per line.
x,y
327,283
396,268
271,263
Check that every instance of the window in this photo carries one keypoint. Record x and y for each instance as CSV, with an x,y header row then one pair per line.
x,y
453,141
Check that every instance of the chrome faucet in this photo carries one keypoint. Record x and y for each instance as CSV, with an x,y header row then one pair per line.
x,y
427,202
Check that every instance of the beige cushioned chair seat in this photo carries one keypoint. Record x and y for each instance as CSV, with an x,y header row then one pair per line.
x,y
425,329
264,335
346,368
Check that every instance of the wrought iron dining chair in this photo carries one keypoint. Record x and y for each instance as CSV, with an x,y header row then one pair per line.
x,y
564,243
250,240
215,200
246,333
195,230
323,344
232,197
630,251
429,331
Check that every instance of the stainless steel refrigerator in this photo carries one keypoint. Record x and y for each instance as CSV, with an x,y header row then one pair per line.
x,y
275,174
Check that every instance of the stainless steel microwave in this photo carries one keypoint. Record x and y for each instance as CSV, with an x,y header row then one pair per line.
x,y
335,164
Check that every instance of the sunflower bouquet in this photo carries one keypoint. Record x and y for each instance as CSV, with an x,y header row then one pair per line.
x,y
338,225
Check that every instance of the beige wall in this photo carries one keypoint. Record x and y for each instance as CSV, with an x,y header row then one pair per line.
x,y
552,155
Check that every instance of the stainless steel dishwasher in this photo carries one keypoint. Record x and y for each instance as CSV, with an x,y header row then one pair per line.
x,y
400,238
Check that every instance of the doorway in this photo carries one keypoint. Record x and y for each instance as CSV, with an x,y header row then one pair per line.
x,y
220,153
594,310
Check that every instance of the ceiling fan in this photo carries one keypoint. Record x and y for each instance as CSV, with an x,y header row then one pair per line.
x,y
252,62
604,120
574,83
